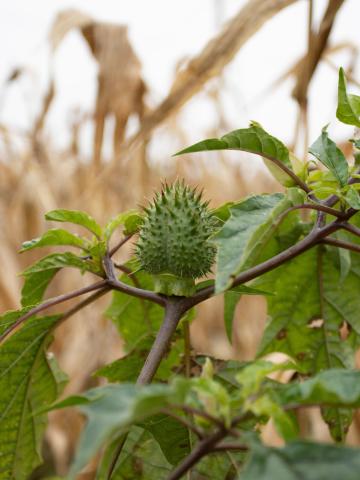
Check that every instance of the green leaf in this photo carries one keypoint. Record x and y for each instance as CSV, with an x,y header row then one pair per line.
x,y
223,212
141,458
302,460
127,369
348,110
326,151
307,313
10,317
334,387
253,140
242,238
40,274
131,221
344,256
135,318
77,217
55,236
28,383
352,198
61,260
35,285
231,299
260,401
172,436
110,409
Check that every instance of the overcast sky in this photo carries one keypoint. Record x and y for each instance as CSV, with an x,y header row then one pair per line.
x,y
162,32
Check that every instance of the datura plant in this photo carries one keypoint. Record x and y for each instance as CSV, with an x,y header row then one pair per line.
x,y
165,412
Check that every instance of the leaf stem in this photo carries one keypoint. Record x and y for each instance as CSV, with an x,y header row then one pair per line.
x,y
50,303
200,413
199,433
224,447
341,244
351,228
113,250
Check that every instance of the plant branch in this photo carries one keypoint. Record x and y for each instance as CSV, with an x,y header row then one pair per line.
x,y
204,447
113,250
116,284
209,445
50,303
199,433
90,299
173,313
174,309
310,206
322,208
199,413
351,228
128,272
341,244
79,306
309,241
223,447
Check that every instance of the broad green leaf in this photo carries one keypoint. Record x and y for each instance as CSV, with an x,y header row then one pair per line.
x,y
172,436
141,458
77,217
285,422
348,110
38,276
324,192
131,221
302,461
28,383
307,313
35,285
212,397
253,140
243,236
61,260
110,409
135,318
256,399
231,299
55,236
336,387
251,377
344,256
326,151
127,369
223,212
10,317
352,198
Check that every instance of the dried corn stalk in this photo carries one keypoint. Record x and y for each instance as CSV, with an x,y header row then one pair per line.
x,y
120,84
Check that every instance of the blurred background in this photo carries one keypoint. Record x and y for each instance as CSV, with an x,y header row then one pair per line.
x,y
96,97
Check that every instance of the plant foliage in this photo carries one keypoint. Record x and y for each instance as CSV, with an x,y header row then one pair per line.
x,y
166,413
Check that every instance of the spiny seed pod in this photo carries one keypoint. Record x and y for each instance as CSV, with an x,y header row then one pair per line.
x,y
173,241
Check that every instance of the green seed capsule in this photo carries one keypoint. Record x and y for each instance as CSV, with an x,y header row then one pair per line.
x,y
179,251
